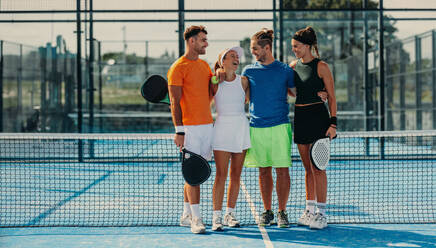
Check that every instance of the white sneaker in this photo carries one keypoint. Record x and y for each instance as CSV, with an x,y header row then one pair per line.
x,y
230,220
305,218
185,220
217,223
197,225
319,222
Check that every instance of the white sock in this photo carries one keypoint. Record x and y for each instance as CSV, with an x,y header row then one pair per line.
x,y
195,209
229,210
186,208
310,205
216,213
321,206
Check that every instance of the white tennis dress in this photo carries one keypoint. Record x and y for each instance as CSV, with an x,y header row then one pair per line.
x,y
231,129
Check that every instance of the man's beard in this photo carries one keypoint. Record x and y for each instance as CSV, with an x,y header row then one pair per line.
x,y
201,51
261,58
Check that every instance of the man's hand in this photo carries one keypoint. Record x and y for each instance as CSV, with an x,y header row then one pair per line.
x,y
179,140
323,94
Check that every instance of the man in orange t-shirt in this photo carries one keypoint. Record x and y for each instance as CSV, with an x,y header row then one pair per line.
x,y
188,83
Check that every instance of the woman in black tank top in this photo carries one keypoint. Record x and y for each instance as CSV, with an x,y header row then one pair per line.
x,y
312,120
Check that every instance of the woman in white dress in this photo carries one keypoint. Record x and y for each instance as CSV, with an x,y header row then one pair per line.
x,y
231,135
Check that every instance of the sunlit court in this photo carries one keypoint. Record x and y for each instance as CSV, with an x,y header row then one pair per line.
x,y
89,159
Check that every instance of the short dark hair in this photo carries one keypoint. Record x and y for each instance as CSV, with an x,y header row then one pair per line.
x,y
193,31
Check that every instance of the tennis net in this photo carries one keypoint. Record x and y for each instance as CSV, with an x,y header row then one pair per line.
x,y
136,180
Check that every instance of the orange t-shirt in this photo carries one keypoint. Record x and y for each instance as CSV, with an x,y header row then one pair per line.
x,y
194,77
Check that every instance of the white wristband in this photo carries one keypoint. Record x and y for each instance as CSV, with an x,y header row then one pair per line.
x,y
180,129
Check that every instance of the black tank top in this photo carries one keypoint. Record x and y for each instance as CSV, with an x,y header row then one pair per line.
x,y
307,82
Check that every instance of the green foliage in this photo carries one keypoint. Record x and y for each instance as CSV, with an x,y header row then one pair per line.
x,y
328,4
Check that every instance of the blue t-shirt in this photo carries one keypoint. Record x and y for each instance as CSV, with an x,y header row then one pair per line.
x,y
268,93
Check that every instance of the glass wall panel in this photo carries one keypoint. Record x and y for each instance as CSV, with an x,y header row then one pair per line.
x,y
135,4
40,84
228,4
340,41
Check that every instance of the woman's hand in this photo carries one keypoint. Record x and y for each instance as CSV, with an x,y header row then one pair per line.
x,y
331,132
220,75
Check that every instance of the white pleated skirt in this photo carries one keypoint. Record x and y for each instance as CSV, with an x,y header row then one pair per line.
x,y
231,134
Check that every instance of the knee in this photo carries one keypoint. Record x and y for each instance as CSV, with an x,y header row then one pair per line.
x,y
235,177
309,172
265,172
282,173
220,176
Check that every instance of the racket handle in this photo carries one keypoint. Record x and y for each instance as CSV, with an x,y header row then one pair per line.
x,y
214,80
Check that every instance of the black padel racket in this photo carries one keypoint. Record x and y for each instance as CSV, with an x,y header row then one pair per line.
x,y
195,169
155,89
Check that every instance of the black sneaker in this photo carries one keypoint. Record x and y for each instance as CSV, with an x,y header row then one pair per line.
x,y
282,219
266,218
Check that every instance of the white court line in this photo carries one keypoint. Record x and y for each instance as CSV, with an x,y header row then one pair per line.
x,y
266,240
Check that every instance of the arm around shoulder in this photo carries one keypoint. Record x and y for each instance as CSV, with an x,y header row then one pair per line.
x,y
293,63
246,87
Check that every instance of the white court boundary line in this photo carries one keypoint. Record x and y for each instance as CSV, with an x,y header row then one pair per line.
x,y
265,237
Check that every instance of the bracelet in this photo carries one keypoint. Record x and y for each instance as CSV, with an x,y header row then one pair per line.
x,y
180,133
333,120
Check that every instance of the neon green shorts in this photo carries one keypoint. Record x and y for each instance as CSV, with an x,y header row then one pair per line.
x,y
270,147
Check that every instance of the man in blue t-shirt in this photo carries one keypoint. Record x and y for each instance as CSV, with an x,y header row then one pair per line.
x,y
270,128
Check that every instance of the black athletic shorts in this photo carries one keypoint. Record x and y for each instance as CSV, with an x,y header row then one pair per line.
x,y
310,123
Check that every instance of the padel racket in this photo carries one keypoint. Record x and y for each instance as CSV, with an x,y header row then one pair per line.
x,y
320,153
195,169
155,89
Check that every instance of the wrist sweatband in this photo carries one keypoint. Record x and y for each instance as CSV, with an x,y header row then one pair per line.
x,y
180,129
333,121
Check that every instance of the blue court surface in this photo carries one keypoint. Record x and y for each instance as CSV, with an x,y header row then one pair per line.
x,y
350,235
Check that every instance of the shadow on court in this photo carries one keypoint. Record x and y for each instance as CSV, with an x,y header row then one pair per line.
x,y
357,236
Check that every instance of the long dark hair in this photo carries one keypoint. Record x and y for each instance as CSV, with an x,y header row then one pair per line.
x,y
307,36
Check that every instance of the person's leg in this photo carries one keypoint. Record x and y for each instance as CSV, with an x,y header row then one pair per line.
x,y
222,165
304,150
283,186
235,177
321,191
266,186
185,219
309,212
237,162
320,220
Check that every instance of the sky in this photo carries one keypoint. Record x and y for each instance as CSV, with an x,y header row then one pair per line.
x,y
163,36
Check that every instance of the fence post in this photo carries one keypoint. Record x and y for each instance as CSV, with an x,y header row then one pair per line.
x,y
382,106
402,89
91,70
181,27
19,123
434,76
1,86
